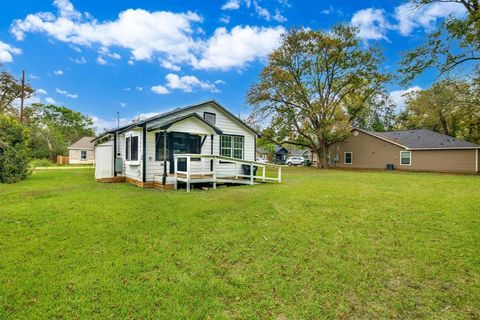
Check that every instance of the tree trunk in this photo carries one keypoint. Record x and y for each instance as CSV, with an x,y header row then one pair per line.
x,y
322,154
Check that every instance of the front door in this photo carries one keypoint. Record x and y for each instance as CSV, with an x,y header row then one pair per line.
x,y
180,143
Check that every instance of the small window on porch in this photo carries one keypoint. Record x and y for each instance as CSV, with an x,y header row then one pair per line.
x,y
83,155
127,148
134,149
159,147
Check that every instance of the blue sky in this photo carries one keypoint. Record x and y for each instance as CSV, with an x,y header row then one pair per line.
x,y
143,57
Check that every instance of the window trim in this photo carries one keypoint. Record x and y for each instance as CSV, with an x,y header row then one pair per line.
x,y
345,157
410,158
231,147
81,155
128,149
210,113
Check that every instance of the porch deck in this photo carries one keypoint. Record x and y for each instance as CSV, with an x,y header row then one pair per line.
x,y
216,176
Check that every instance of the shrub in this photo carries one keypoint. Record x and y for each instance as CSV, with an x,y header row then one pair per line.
x,y
14,151
42,163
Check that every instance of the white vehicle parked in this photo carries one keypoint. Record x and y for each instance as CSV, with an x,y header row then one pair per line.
x,y
295,161
262,160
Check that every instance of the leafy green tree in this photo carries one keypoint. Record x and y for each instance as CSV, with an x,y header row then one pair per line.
x,y
14,152
456,42
450,107
381,116
11,90
316,84
54,128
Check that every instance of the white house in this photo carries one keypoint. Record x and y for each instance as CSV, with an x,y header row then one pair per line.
x,y
205,140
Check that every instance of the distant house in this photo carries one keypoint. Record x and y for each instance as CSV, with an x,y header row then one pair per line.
x,y
264,154
82,151
281,154
416,150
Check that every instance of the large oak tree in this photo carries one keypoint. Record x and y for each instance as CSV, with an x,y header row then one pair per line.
x,y
315,86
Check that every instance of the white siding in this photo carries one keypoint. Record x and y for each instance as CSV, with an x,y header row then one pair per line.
x,y
133,169
104,160
224,122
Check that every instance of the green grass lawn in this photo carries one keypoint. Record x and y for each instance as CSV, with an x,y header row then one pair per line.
x,y
332,244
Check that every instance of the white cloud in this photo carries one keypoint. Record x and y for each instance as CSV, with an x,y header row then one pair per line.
x,y
58,72
259,10
66,93
80,60
264,13
409,16
371,23
144,33
7,51
127,89
122,104
398,96
374,23
170,66
41,91
172,38
33,77
236,48
224,19
160,89
104,124
101,61
66,9
231,5
50,100
219,82
115,56
139,88
331,10
187,83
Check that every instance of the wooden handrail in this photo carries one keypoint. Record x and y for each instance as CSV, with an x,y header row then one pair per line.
x,y
216,160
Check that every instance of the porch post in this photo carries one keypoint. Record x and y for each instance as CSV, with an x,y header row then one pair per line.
x,y
144,153
211,152
114,154
164,177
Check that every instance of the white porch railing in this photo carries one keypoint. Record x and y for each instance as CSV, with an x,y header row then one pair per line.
x,y
218,173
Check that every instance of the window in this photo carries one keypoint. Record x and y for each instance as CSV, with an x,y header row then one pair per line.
x,y
405,158
231,146
348,158
131,149
210,117
83,155
127,149
159,148
181,143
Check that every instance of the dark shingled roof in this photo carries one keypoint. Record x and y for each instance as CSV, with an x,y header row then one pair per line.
x,y
422,138
83,143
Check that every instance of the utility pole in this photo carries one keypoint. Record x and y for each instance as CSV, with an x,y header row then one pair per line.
x,y
118,119
22,97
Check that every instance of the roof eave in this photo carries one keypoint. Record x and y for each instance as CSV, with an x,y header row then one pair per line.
x,y
381,138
